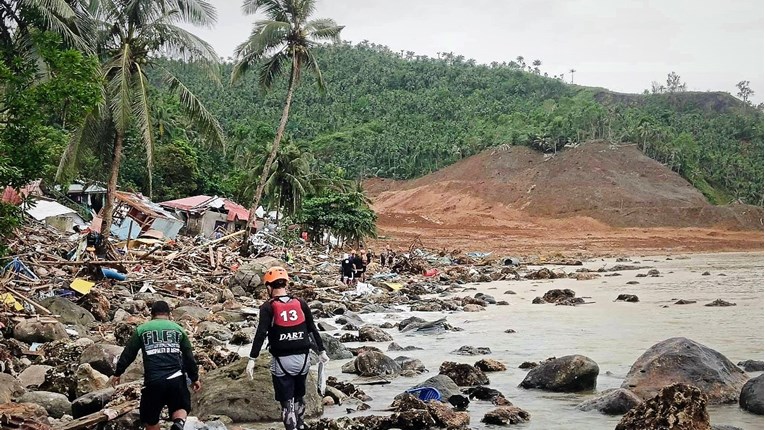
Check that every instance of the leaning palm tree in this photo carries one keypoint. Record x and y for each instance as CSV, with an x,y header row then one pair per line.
x,y
290,179
129,36
285,40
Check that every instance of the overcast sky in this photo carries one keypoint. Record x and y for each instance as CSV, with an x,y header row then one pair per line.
x,y
622,45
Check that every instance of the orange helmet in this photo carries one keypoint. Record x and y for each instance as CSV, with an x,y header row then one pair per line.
x,y
275,273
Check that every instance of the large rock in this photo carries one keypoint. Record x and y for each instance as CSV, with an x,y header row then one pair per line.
x,y
375,363
91,402
571,373
617,401
89,380
218,331
56,404
194,312
682,360
444,384
490,365
68,311
677,407
751,365
751,396
370,333
102,357
34,375
446,417
417,325
335,349
250,275
32,330
229,391
10,388
505,415
464,375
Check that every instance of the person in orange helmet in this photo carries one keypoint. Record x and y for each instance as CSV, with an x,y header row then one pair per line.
x,y
287,322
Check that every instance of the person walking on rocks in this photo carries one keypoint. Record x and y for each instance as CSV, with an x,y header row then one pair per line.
x,y
286,322
167,361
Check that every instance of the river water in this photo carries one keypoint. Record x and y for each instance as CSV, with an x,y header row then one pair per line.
x,y
614,334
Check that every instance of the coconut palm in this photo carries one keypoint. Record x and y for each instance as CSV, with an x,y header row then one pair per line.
x,y
290,178
284,40
129,35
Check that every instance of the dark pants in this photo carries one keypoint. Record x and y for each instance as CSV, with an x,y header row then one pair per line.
x,y
172,393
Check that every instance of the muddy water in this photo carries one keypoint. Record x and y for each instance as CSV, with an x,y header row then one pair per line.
x,y
612,334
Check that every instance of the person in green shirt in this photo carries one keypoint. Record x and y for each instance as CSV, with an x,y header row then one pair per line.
x,y
167,361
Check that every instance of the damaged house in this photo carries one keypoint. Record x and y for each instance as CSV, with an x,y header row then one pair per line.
x,y
135,215
208,216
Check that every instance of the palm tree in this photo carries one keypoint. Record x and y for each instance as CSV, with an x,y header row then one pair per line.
x,y
290,179
285,39
128,36
536,64
572,71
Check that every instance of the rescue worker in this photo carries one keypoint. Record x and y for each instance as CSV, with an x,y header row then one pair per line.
x,y
358,265
167,362
287,322
346,270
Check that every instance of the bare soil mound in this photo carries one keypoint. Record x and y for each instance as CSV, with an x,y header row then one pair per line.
x,y
599,184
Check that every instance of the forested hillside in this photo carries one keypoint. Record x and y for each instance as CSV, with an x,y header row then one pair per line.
x,y
398,115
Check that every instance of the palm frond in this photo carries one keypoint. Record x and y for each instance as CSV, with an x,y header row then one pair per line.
x,y
272,69
119,88
178,42
197,12
302,9
266,37
142,115
324,29
55,14
274,9
92,129
196,111
312,64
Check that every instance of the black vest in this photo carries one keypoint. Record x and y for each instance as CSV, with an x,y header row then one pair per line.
x,y
289,332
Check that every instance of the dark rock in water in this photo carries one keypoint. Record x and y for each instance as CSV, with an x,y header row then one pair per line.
x,y
510,331
335,349
489,365
323,326
350,318
396,347
509,292
627,298
653,273
571,373
370,333
678,406
557,296
685,302
463,375
403,324
751,365
573,301
349,337
724,427
472,350
364,349
446,417
720,303
410,364
487,394
240,337
617,401
721,274
528,365
705,274
387,325
486,298
641,275
505,415
751,399
545,273
502,303
538,301
633,282
682,360
375,363
407,402
432,327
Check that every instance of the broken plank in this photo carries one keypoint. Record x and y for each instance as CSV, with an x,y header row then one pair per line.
x,y
99,417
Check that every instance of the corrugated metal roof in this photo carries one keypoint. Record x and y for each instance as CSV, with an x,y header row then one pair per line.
x,y
43,209
201,203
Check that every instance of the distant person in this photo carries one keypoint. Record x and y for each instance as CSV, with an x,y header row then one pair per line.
x,y
391,257
167,361
384,256
287,322
346,270
358,265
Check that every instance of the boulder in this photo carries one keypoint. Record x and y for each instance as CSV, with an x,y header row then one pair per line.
x,y
678,406
89,380
482,392
627,298
444,384
464,375
751,396
682,360
91,402
617,401
229,391
751,365
557,296
505,415
370,333
24,411
720,303
396,347
70,312
218,331
420,326
410,365
34,375
241,337
446,417
33,330
489,365
571,373
472,350
335,349
56,404
194,312
10,388
102,357
685,302
375,363
323,326
473,308
249,275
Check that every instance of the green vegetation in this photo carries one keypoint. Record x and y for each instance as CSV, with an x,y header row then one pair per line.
x,y
85,92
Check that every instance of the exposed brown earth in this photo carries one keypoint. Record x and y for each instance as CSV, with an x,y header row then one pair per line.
x,y
594,199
